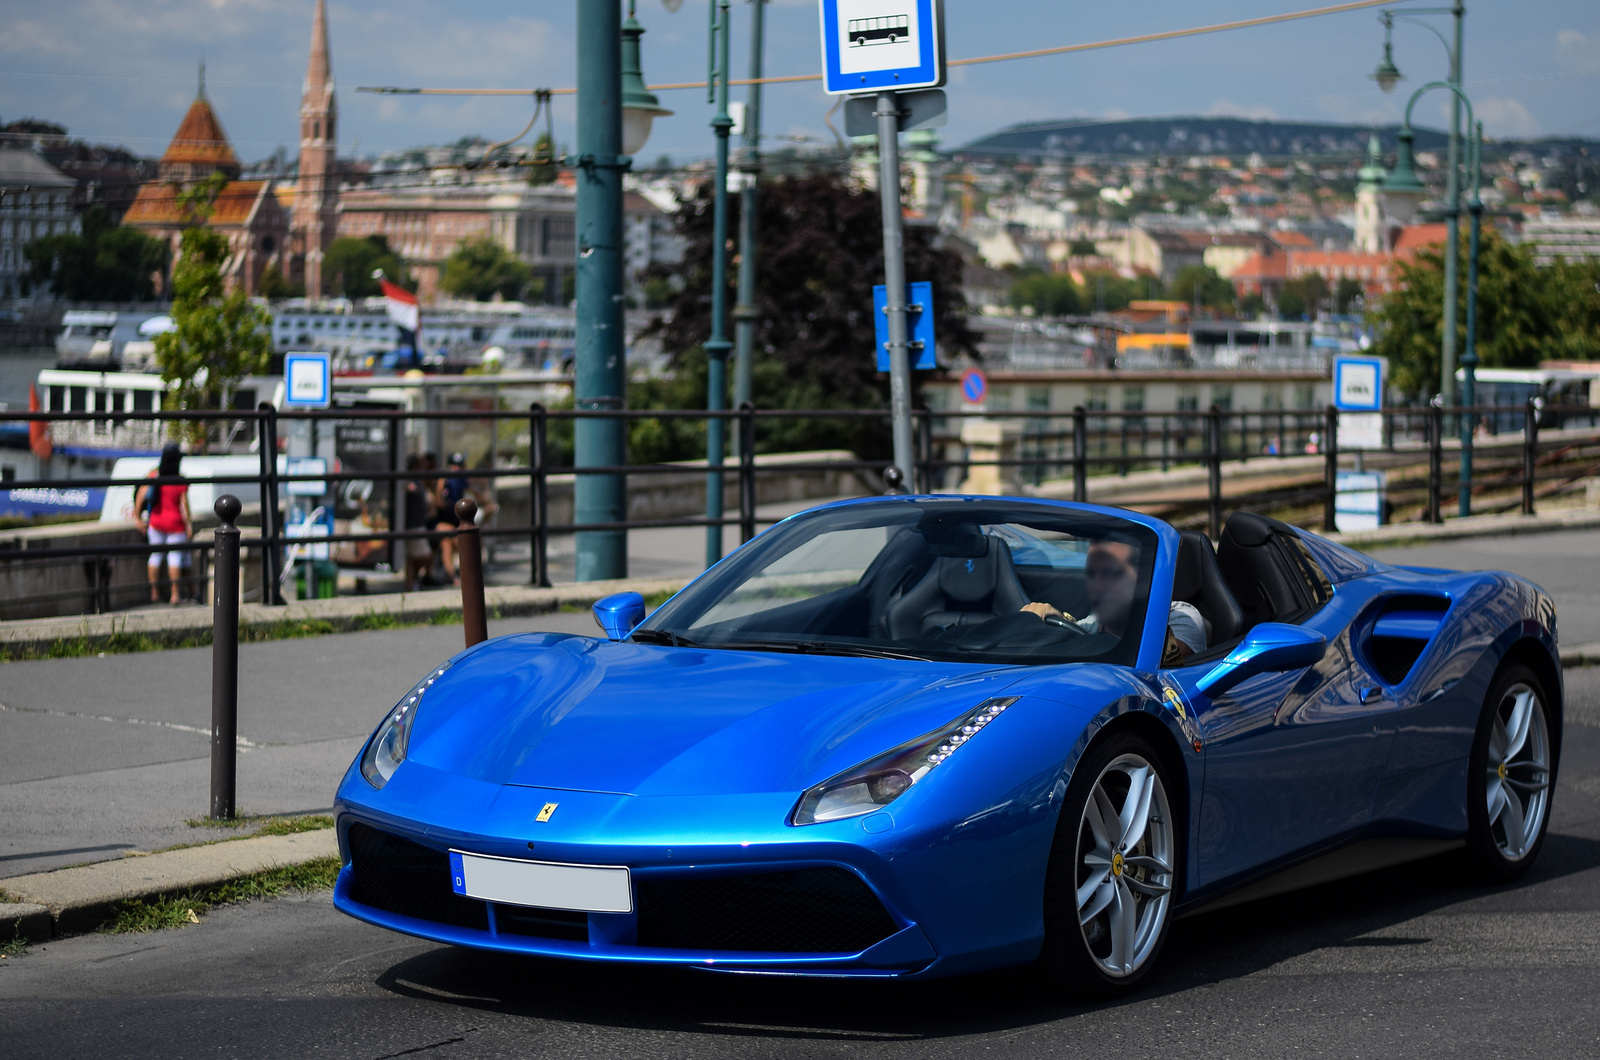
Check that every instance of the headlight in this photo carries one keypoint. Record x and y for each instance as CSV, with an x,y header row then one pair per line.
x,y
879,781
387,748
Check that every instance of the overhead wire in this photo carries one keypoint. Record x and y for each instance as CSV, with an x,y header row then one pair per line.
x,y
1065,49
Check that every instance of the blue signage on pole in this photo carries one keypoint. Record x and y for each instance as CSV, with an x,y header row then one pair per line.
x,y
1358,383
919,324
308,380
974,386
881,45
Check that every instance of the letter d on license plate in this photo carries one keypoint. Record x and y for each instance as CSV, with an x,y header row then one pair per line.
x,y
544,884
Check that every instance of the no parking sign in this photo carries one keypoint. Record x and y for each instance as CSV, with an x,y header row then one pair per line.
x,y
974,386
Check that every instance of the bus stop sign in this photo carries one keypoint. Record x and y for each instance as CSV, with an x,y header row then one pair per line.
x,y
881,45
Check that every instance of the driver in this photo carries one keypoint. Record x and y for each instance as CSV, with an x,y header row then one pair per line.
x,y
1112,574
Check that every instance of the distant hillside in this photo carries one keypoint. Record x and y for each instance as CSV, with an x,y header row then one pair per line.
x,y
1214,136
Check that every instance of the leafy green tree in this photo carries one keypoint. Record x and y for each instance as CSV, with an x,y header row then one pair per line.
x,y
1345,294
348,265
544,168
1110,292
274,284
1526,314
481,268
220,336
1050,294
1200,283
102,263
1252,305
1301,296
819,256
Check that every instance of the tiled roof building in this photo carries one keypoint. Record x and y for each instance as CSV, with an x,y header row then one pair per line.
x,y
246,212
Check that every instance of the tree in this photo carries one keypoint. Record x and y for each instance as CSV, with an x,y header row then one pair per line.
x,y
273,284
1200,283
219,336
1526,313
1345,294
481,268
102,263
348,265
819,256
1050,294
543,169
1108,291
1301,296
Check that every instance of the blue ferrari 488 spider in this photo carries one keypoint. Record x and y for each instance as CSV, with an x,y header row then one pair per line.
x,y
916,736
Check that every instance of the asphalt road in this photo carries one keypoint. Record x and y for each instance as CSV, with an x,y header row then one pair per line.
x,y
1409,961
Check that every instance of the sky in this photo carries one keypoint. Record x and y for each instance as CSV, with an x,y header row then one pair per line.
x,y
123,72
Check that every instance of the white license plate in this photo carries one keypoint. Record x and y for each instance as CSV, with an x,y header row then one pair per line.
x,y
545,884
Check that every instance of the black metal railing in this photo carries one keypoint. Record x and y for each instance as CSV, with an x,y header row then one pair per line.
x,y
1197,465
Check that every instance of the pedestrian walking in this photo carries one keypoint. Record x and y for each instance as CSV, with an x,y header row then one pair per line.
x,y
165,519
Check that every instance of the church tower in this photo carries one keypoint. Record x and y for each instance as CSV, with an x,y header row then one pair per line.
x,y
1372,235
317,197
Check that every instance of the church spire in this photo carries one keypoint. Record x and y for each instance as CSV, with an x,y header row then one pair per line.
x,y
317,193
319,72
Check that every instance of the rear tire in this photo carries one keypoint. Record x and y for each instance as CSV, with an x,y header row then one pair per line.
x,y
1510,776
1114,872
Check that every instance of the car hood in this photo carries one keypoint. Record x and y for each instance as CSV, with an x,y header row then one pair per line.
x,y
553,711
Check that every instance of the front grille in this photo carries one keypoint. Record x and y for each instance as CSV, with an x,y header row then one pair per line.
x,y
541,923
821,910
399,876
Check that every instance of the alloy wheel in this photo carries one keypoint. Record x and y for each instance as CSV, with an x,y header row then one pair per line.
x,y
1518,781
1124,874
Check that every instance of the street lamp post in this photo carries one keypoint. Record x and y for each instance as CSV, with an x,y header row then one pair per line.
x,y
744,310
1388,75
612,125
1469,354
717,346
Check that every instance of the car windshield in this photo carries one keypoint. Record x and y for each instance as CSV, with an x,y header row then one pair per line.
x,y
941,579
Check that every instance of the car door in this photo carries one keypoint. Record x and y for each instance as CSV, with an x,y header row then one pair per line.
x,y
1292,760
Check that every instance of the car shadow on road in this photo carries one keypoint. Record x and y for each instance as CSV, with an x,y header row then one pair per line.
x,y
1209,948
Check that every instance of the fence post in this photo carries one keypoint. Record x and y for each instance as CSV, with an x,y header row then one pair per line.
x,y
225,661
1166,442
1435,464
469,547
270,593
538,496
924,467
1214,474
1080,455
1530,452
397,495
747,471
1330,469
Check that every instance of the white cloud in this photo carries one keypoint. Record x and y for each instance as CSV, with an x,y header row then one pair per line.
x,y
1224,108
1577,52
1504,117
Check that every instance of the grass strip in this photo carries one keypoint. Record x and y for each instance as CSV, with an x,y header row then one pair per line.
x,y
269,823
175,910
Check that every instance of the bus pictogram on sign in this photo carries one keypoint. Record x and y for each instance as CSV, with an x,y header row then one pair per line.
x,y
865,31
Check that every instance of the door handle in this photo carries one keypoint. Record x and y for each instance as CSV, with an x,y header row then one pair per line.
x,y
1368,693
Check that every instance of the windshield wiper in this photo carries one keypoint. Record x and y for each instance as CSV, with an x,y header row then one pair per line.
x,y
661,636
816,647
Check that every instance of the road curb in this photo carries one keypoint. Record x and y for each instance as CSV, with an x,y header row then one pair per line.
x,y
24,920
343,613
83,897
1582,655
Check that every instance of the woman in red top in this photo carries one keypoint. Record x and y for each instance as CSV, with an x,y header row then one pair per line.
x,y
167,522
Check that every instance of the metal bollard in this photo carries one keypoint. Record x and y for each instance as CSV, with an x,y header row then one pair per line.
x,y
470,548
1530,453
1080,455
225,661
1214,445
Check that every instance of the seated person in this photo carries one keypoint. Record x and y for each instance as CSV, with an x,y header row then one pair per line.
x,y
1112,574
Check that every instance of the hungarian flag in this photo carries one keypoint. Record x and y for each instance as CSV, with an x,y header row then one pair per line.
x,y
38,430
402,305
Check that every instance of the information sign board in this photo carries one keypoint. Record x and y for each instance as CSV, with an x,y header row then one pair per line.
x,y
881,45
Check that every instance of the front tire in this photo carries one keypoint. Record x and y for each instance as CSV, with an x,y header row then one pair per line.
x,y
1114,870
1510,776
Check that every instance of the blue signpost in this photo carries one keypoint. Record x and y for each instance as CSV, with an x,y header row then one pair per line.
x,y
308,381
1360,495
881,47
919,324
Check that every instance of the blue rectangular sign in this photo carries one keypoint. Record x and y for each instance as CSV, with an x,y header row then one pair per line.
x,y
919,324
1358,383
308,381
874,45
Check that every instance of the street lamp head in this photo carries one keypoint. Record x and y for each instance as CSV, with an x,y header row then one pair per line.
x,y
640,108
1403,178
1388,74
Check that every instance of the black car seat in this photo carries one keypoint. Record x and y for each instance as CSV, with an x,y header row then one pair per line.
x,y
960,591
1269,570
1198,581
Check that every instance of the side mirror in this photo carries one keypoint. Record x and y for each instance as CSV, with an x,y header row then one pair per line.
x,y
618,613
1271,647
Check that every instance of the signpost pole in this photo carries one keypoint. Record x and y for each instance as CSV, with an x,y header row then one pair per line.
x,y
894,278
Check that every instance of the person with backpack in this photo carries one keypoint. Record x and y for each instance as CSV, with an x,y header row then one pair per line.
x,y
164,517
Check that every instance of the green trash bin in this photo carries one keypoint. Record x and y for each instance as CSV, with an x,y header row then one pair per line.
x,y
324,577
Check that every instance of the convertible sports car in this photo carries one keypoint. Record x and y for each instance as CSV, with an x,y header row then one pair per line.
x,y
916,736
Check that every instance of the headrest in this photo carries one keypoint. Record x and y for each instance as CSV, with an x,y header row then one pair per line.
x,y
971,579
1252,530
1189,576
